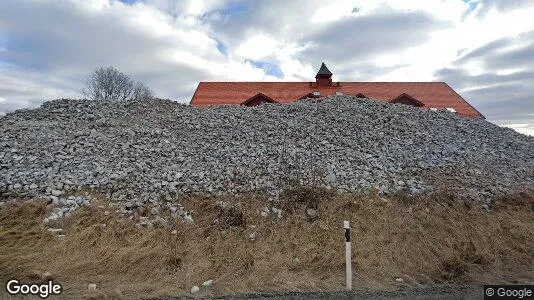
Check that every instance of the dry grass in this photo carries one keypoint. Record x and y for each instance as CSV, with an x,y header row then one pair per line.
x,y
422,240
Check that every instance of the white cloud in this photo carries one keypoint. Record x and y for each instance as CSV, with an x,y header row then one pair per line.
x,y
332,10
257,47
196,7
505,72
527,129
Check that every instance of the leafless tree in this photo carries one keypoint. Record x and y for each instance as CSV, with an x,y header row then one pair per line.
x,y
141,91
108,83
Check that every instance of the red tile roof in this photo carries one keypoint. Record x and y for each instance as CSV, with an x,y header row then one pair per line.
x,y
431,94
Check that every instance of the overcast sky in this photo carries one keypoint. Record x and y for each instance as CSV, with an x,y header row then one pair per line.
x,y
482,48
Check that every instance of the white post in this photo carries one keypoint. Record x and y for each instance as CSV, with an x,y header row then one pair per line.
x,y
348,260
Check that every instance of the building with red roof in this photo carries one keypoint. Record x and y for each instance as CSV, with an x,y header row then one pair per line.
x,y
426,95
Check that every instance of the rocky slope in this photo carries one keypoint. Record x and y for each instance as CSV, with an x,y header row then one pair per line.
x,y
149,151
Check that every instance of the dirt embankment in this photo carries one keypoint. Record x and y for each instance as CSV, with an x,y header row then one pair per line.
x,y
424,241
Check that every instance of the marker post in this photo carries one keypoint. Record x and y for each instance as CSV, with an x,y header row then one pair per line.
x,y
348,260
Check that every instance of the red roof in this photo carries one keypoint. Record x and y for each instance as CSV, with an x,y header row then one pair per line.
x,y
425,95
431,94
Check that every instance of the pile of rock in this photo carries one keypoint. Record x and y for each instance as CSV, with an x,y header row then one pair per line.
x,y
65,207
150,152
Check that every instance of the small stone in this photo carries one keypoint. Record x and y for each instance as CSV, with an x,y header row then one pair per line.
x,y
55,200
399,279
46,276
195,289
92,287
160,222
207,283
188,218
265,212
296,261
154,211
174,232
55,230
106,213
17,186
252,236
311,213
56,193
46,221
33,186
331,178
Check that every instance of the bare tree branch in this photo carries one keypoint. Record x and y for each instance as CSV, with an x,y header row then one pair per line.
x,y
108,83
142,92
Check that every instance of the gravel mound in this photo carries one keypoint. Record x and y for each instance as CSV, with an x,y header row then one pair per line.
x,y
154,150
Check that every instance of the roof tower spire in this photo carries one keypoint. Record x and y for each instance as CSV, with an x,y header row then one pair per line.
x,y
324,76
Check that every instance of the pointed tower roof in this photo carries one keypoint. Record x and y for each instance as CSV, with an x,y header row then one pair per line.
x,y
323,71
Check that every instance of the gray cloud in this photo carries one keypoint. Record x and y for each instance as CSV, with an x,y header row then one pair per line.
x,y
27,88
356,38
502,98
66,35
497,54
488,48
280,18
504,103
460,78
503,6
360,70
